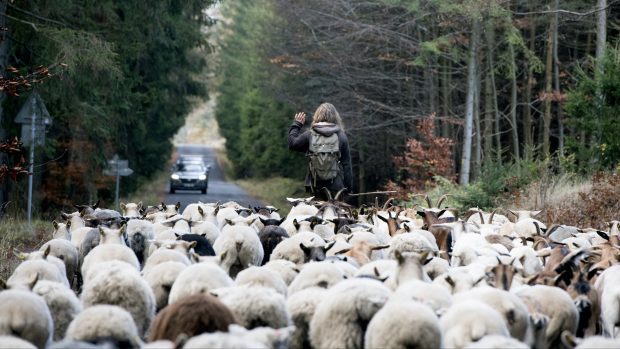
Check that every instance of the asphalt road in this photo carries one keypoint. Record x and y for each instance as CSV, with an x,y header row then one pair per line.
x,y
219,188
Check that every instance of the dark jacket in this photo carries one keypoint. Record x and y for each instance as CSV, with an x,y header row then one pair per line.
x,y
301,142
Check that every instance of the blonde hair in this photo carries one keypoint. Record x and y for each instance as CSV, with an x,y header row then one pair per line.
x,y
326,112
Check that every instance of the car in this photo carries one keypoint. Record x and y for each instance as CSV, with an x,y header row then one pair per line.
x,y
189,176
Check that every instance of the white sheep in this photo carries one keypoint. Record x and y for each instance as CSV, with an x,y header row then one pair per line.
x,y
261,276
131,209
554,303
317,274
467,322
340,319
434,296
410,267
291,249
104,321
528,227
255,306
495,341
116,283
108,252
241,338
511,307
593,342
25,315
160,278
37,268
287,269
66,252
239,247
62,303
11,342
61,230
416,241
301,306
460,279
403,324
198,279
208,229
162,256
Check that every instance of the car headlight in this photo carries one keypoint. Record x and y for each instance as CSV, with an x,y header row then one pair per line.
x,y
175,176
202,177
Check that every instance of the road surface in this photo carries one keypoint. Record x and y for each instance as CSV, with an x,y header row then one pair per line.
x,y
219,188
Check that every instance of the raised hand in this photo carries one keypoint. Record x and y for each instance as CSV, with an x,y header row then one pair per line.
x,y
300,117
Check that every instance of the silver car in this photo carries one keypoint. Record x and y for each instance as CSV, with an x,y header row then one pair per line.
x,y
189,176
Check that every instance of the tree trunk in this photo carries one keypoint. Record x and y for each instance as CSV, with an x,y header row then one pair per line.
x,y
4,61
548,90
513,103
601,32
478,131
489,111
556,82
469,108
528,140
446,98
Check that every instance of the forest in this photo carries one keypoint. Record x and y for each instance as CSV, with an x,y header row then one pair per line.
x,y
431,92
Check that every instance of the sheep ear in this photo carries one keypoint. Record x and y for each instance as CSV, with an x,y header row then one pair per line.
x,y
603,234
192,244
399,257
33,282
101,232
195,257
305,249
569,340
531,280
345,250
46,252
382,218
229,222
217,209
204,235
177,206
65,216
264,221
281,221
163,206
3,285
18,254
450,281
379,247
424,256
123,229
68,224
421,213
407,228
177,235
181,340
296,223
376,271
223,255
201,211
123,206
329,245
55,224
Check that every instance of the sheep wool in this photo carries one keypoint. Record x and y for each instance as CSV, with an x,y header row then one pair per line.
x,y
65,251
161,278
287,269
29,269
302,306
198,278
10,342
403,324
25,315
340,319
106,253
255,306
434,296
316,274
115,283
239,248
62,303
104,321
496,342
466,322
261,276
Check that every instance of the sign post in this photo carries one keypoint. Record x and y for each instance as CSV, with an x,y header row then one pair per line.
x,y
117,168
34,118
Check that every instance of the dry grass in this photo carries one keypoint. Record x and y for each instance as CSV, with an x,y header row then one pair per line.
x,y
17,235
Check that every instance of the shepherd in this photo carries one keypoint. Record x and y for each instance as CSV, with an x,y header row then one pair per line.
x,y
327,148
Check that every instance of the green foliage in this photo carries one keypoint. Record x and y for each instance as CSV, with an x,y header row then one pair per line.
x,y
593,107
131,66
252,120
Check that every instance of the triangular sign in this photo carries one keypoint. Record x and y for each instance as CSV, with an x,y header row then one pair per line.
x,y
34,104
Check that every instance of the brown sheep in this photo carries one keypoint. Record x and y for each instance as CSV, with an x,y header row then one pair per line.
x,y
191,316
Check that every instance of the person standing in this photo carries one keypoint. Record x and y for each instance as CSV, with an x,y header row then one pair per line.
x,y
327,148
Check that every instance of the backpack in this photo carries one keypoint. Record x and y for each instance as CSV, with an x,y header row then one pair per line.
x,y
324,156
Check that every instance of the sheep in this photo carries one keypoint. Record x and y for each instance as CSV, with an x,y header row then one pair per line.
x,y
528,259
131,210
25,315
198,278
301,248
367,236
208,230
172,209
459,279
287,270
410,267
270,236
593,342
226,214
255,306
554,303
239,247
240,338
139,233
341,318
165,255
200,212
39,268
608,286
416,241
104,322
191,316
202,246
301,207
160,278
467,322
434,296
528,227
261,276
75,220
61,230
302,305
62,303
109,252
494,341
11,342
467,249
45,255
435,267
403,324
511,307
115,283
66,252
319,274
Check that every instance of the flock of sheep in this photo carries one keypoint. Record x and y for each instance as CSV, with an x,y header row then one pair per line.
x,y
327,275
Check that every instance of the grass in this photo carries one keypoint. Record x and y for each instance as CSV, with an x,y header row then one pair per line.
x,y
274,191
150,193
16,235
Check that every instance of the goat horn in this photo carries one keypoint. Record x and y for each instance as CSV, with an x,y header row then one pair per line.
x,y
492,215
428,201
329,194
481,216
386,203
442,198
339,192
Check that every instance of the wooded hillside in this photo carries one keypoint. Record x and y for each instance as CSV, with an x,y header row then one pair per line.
x,y
506,81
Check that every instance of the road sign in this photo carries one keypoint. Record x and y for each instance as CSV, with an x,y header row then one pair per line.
x,y
118,168
34,109
121,172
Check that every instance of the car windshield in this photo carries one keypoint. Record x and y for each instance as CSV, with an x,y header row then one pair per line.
x,y
190,168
